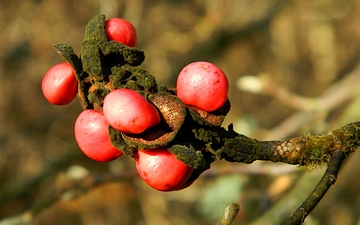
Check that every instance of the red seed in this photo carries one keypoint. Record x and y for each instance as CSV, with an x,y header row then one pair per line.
x,y
161,170
202,84
129,112
91,134
59,84
121,30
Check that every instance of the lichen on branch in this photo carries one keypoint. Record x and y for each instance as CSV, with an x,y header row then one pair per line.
x,y
307,150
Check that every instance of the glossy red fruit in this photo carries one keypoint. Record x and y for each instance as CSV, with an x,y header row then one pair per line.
x,y
161,170
202,84
121,30
59,84
91,134
128,111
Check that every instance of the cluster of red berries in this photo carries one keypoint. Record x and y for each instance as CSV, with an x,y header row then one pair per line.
x,y
200,84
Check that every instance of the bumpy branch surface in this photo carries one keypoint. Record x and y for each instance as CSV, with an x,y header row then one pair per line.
x,y
307,150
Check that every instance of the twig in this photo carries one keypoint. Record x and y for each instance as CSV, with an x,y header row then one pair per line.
x,y
264,84
284,206
314,198
307,150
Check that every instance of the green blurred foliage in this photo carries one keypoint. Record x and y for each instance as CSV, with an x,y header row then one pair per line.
x,y
218,195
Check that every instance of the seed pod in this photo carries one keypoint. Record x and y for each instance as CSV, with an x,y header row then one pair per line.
x,y
173,114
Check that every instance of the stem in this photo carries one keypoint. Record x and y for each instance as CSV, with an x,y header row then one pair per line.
x,y
307,150
318,193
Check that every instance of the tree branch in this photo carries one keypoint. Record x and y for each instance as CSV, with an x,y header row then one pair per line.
x,y
318,193
307,150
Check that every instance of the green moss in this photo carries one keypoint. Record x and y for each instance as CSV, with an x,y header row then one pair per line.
x,y
119,76
130,84
95,30
206,135
315,151
143,79
240,149
90,58
119,54
67,52
349,134
119,143
190,156
98,95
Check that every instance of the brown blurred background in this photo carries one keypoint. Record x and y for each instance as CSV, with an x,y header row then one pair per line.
x,y
304,46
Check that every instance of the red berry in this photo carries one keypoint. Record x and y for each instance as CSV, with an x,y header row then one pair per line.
x,y
128,111
59,85
92,136
161,170
121,30
202,84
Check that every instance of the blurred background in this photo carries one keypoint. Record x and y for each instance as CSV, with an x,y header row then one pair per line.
x,y
305,52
